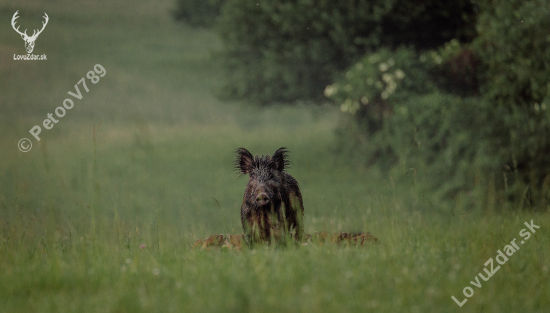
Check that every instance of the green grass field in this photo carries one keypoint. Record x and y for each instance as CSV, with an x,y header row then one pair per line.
x,y
146,156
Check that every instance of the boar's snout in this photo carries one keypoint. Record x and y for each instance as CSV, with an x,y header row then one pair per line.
x,y
262,199
262,194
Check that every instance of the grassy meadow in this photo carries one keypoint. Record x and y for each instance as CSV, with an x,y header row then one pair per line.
x,y
100,214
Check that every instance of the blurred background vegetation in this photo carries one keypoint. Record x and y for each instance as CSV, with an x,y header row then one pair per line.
x,y
455,94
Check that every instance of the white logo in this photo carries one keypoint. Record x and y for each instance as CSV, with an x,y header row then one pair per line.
x,y
29,40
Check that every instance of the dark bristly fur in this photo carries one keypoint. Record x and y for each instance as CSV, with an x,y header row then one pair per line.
x,y
272,204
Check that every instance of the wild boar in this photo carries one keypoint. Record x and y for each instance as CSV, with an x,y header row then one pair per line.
x,y
272,207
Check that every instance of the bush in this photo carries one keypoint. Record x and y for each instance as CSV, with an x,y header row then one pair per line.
x,y
403,120
514,49
440,137
198,12
464,118
372,86
454,67
285,51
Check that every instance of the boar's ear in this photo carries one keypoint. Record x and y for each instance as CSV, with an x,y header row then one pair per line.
x,y
243,161
280,159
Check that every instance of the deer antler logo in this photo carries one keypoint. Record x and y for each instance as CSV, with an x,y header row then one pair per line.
x,y
29,40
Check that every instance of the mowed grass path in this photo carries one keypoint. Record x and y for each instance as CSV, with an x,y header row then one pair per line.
x,y
146,156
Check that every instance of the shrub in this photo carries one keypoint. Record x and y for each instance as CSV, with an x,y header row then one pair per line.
x,y
441,138
454,68
467,118
403,121
372,86
514,49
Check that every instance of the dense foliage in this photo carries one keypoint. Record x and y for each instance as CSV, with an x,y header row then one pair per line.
x,y
514,46
465,117
285,51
